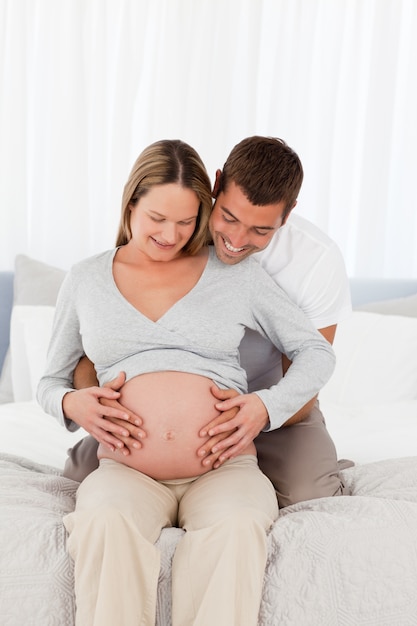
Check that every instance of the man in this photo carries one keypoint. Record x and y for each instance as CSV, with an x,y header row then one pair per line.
x,y
255,194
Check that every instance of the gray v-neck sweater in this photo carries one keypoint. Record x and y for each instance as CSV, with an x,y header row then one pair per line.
x,y
199,334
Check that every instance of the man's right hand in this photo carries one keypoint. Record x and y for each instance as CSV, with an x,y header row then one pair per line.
x,y
135,434
100,413
85,409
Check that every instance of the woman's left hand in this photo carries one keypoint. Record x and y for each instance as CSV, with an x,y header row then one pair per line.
x,y
205,452
230,437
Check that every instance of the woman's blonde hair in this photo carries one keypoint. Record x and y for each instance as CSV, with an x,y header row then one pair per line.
x,y
163,162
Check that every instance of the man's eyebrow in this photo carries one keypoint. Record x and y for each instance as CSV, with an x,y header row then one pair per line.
x,y
230,214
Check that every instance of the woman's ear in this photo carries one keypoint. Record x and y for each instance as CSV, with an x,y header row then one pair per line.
x,y
217,184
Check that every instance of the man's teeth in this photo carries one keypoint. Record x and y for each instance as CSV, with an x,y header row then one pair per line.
x,y
231,248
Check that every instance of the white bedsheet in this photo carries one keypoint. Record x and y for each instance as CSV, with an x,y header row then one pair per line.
x,y
350,561
26,430
374,432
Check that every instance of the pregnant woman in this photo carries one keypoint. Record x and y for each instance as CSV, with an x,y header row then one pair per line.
x,y
162,308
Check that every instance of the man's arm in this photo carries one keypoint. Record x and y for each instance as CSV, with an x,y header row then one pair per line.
x,y
254,419
85,374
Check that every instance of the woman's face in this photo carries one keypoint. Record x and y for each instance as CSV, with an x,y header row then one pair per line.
x,y
164,220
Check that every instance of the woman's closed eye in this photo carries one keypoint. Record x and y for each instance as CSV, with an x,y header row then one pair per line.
x,y
187,222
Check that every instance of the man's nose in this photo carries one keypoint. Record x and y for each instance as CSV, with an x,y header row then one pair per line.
x,y
239,237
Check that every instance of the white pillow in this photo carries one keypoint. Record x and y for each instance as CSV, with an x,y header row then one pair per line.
x,y
37,283
406,306
376,360
30,332
374,432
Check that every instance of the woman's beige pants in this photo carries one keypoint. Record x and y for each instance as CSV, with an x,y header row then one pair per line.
x,y
218,566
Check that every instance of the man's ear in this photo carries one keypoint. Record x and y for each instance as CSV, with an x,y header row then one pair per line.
x,y
216,186
288,214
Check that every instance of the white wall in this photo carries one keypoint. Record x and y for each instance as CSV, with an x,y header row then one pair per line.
x,y
86,84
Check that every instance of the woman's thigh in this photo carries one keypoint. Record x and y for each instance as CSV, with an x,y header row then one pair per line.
x,y
114,486
235,487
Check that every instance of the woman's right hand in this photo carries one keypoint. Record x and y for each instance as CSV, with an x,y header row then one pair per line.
x,y
85,408
135,433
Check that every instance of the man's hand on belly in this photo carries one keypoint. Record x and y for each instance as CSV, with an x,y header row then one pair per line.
x,y
239,430
136,434
83,407
210,458
131,424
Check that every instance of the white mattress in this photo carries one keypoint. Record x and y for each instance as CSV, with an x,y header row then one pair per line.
x,y
374,432
29,432
349,561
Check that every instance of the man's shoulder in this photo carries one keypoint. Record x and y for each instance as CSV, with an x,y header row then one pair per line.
x,y
301,230
298,242
310,267
298,225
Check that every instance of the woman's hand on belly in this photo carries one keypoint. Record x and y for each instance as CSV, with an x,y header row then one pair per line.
x,y
232,433
174,407
132,425
205,452
133,441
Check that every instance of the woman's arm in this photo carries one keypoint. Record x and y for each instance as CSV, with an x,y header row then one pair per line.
x,y
56,393
310,366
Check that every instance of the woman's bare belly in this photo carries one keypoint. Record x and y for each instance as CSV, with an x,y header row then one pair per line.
x,y
174,406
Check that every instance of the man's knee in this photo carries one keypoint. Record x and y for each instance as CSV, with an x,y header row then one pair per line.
x,y
82,459
301,460
303,488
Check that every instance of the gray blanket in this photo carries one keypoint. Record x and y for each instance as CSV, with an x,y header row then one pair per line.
x,y
349,561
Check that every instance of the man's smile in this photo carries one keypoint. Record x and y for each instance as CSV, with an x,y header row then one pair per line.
x,y
232,248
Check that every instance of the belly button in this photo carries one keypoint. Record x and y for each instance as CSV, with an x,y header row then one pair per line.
x,y
169,435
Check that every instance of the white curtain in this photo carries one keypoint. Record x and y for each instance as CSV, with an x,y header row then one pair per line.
x,y
87,84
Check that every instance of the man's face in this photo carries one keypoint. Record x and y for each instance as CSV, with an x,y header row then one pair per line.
x,y
239,228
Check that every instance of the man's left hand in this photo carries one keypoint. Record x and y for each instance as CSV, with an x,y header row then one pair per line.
x,y
246,417
210,458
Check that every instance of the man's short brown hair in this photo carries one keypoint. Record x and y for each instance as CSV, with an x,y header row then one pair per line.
x,y
266,169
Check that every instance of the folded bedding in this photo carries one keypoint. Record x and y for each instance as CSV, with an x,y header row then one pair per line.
x,y
346,560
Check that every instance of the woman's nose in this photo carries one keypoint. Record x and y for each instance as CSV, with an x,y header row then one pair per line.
x,y
169,232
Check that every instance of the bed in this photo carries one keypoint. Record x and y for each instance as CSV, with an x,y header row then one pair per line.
x,y
347,561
